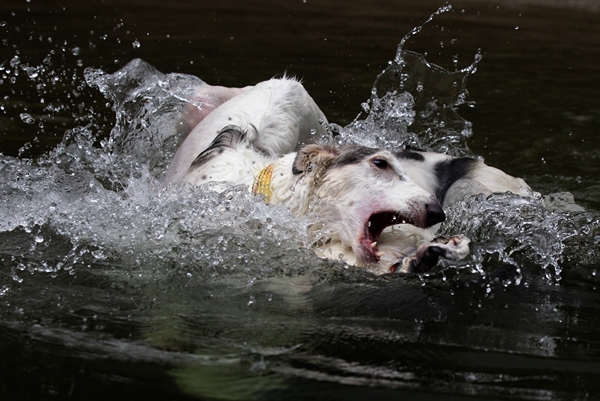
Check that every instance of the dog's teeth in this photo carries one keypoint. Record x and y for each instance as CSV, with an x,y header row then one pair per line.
x,y
373,245
379,254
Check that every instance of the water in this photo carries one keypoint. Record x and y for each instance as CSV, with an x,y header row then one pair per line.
x,y
109,287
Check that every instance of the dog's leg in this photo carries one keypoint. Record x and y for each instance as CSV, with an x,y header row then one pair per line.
x,y
426,256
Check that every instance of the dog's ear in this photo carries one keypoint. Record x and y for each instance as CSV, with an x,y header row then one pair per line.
x,y
312,157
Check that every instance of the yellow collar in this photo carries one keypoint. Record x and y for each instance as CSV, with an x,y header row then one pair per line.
x,y
262,183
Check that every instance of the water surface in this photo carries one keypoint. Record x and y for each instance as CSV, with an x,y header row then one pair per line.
x,y
108,289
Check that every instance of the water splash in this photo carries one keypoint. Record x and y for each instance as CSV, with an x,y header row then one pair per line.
x,y
399,54
519,232
414,102
94,199
193,228
148,106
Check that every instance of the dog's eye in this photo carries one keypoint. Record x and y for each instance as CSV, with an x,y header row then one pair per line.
x,y
380,163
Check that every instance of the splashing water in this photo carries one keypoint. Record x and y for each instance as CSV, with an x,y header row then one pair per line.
x,y
95,200
104,201
414,102
399,54
518,231
102,266
147,106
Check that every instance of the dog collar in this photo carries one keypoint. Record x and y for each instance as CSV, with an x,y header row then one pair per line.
x,y
262,183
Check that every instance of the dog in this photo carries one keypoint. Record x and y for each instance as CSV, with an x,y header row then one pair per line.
x,y
380,209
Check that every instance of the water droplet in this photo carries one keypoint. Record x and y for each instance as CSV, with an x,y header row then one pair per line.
x,y
27,118
76,51
136,44
4,290
32,73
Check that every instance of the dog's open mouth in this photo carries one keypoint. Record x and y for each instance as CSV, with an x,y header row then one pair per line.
x,y
375,226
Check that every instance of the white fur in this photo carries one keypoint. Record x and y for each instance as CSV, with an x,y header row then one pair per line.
x,y
275,116
280,109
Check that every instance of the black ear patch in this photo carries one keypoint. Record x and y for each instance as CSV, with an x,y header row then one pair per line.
x,y
354,155
410,155
297,166
448,172
229,137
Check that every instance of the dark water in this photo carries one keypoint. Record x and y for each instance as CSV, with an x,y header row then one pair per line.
x,y
111,291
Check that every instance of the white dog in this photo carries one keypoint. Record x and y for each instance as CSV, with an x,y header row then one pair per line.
x,y
380,208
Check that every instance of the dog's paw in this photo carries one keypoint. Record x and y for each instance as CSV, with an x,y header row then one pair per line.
x,y
426,256
455,248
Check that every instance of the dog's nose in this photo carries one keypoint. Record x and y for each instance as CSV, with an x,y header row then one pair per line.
x,y
435,214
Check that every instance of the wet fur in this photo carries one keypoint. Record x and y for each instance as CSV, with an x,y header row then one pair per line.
x,y
339,186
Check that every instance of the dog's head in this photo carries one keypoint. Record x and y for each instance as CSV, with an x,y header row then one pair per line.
x,y
357,192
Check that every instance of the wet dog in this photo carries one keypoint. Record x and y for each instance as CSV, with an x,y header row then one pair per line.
x,y
380,209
